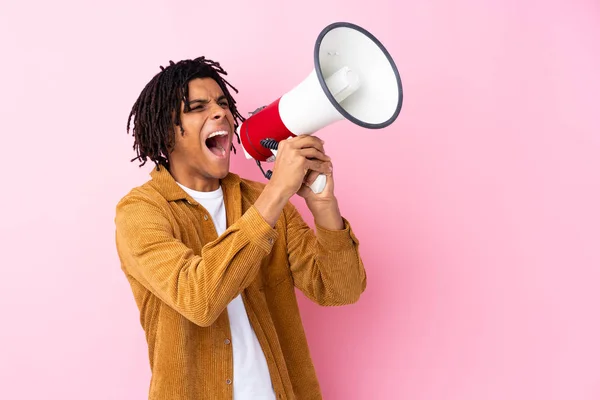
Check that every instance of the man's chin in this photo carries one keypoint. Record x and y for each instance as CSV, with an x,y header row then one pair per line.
x,y
221,173
217,168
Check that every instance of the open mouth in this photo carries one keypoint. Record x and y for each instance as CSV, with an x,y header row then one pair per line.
x,y
217,142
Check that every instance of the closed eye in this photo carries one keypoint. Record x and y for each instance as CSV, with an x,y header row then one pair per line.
x,y
223,101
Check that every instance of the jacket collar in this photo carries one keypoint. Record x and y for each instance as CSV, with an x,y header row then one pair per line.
x,y
165,184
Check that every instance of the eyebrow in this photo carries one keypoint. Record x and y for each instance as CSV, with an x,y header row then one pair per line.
x,y
204,101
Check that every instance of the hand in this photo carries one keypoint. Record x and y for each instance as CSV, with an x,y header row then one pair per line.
x,y
295,158
323,206
321,201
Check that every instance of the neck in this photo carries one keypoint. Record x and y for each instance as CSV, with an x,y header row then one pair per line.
x,y
193,180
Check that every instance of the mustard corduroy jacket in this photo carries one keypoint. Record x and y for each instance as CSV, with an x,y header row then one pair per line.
x,y
183,276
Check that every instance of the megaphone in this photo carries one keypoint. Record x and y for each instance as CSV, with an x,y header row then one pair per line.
x,y
354,78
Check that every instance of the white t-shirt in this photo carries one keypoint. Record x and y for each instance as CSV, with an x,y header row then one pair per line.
x,y
251,378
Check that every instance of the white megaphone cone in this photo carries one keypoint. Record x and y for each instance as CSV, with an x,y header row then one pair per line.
x,y
354,78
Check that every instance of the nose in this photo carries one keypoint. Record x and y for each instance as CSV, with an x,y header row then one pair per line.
x,y
216,111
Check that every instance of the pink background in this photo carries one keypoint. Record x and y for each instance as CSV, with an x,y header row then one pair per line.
x,y
478,211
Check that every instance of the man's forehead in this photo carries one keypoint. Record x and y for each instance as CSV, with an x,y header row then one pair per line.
x,y
204,87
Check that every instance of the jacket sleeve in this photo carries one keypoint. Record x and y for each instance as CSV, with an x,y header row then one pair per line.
x,y
326,265
198,286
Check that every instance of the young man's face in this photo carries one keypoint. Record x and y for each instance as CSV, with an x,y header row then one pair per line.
x,y
203,151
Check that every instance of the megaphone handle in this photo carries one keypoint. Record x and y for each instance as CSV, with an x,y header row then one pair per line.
x,y
319,184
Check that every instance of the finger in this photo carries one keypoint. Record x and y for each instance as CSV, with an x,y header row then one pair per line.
x,y
323,167
310,178
304,191
311,152
303,141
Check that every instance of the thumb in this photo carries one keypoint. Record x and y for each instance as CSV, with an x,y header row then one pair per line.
x,y
305,191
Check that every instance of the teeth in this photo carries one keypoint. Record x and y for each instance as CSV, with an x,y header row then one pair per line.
x,y
218,133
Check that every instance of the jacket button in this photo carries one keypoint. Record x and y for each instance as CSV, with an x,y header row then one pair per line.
x,y
227,341
228,381
205,217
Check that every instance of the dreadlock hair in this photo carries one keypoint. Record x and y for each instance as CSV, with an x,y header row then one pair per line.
x,y
156,112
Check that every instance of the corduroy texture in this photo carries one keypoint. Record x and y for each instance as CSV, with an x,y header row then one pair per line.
x,y
183,276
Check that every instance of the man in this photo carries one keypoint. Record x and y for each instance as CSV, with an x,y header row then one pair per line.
x,y
213,259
